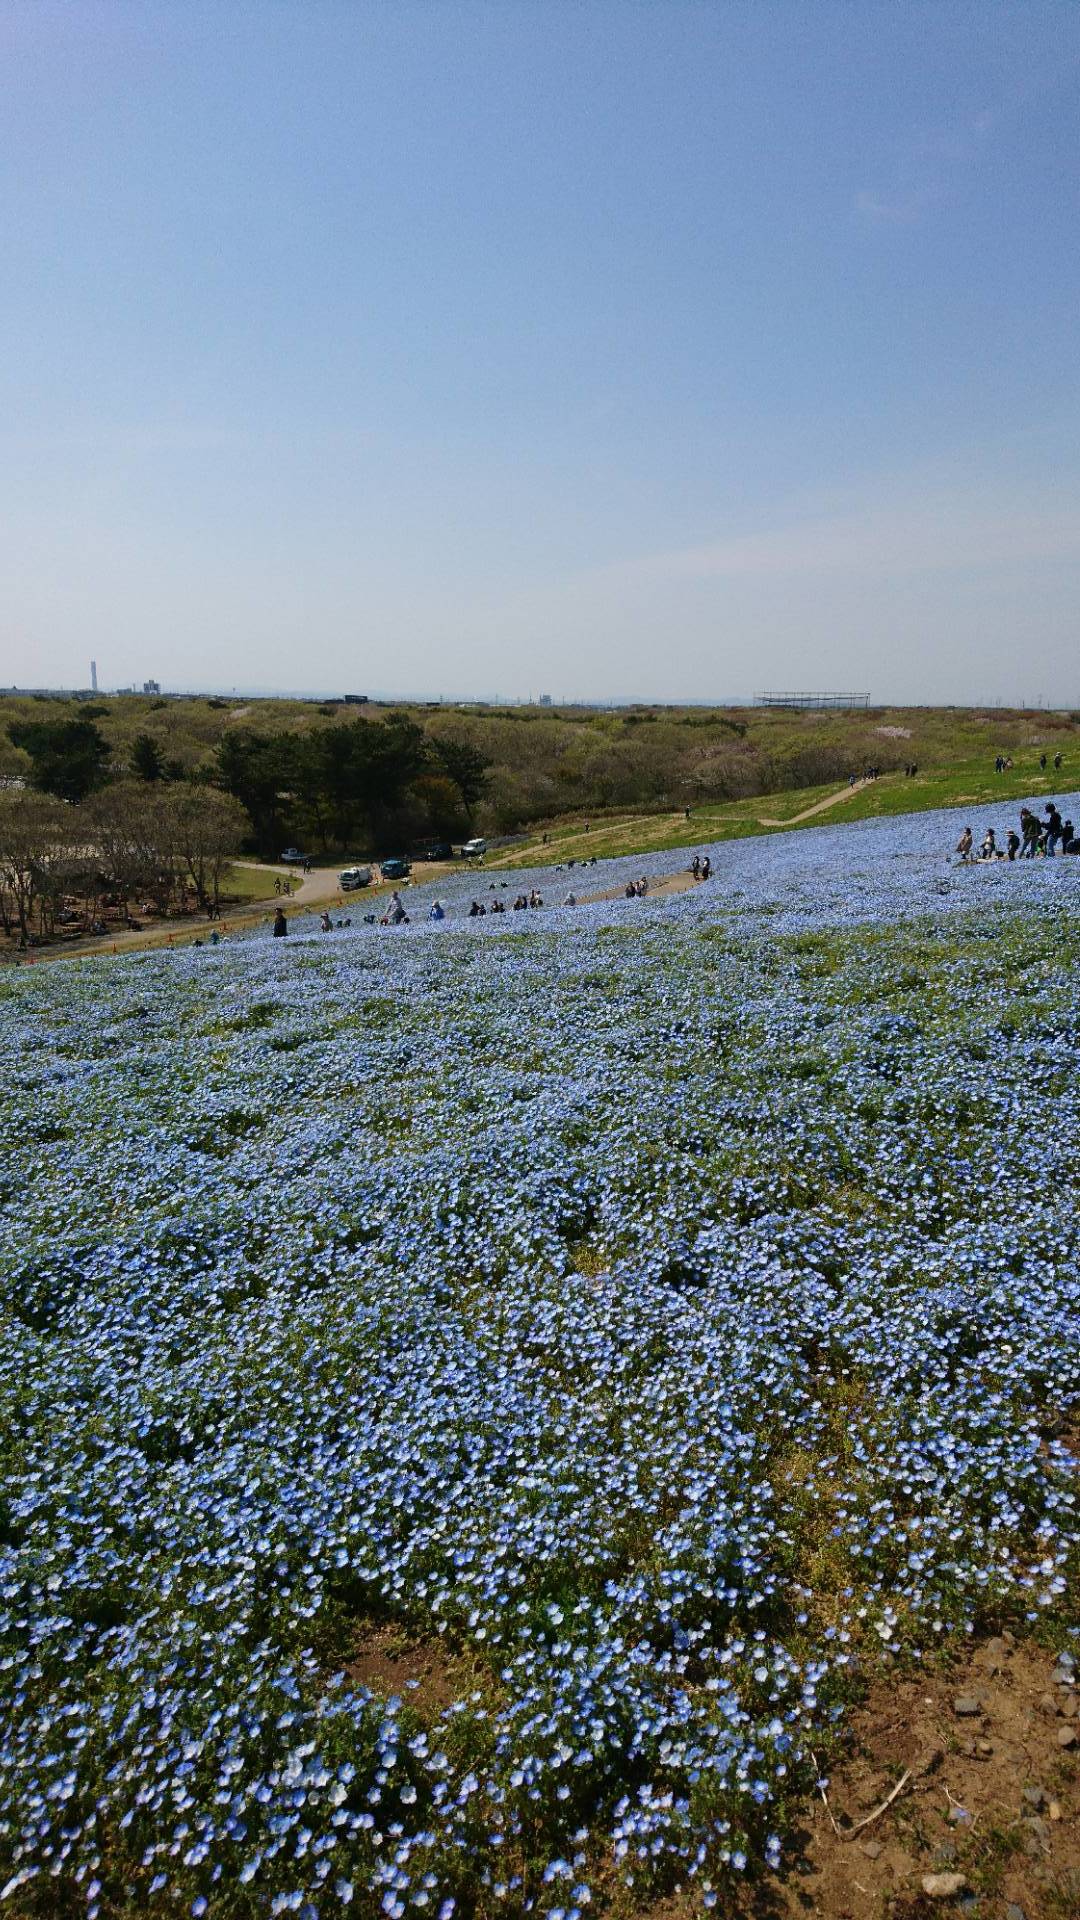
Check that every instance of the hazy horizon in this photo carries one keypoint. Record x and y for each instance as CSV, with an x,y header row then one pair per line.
x,y
542,349
384,697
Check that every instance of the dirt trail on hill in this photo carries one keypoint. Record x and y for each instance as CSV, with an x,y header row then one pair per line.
x,y
658,888
648,829
819,806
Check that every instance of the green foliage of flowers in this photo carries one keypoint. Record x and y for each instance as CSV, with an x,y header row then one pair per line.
x,y
657,1329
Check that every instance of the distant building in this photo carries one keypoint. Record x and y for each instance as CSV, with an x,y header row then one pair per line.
x,y
93,676
151,686
356,700
545,699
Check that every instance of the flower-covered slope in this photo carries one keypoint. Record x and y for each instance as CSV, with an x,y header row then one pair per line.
x,y
652,1314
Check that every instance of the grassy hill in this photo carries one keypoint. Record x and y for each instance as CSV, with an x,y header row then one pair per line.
x,y
968,782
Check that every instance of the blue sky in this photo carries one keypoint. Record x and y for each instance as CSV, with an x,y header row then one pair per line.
x,y
612,350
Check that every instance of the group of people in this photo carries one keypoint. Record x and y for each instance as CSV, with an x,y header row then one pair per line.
x,y
396,916
478,911
1036,837
1003,763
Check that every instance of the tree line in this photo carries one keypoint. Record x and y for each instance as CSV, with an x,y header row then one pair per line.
x,y
360,784
372,785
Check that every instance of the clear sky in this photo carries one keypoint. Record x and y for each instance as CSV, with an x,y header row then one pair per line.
x,y
604,349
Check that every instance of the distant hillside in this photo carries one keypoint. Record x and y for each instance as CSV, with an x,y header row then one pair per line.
x,y
543,763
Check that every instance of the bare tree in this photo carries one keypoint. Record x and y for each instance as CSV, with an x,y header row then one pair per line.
x,y
155,836
115,823
35,838
208,828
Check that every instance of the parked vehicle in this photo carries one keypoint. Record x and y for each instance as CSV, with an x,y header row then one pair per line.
x,y
435,850
352,877
395,868
292,857
474,849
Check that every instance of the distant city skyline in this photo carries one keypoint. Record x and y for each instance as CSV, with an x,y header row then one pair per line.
x,y
391,697
668,347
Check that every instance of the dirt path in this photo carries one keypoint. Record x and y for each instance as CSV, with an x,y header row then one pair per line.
x,y
319,888
181,932
658,889
164,933
648,829
819,806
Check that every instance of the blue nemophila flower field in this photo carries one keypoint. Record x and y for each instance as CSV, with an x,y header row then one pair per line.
x,y
476,1399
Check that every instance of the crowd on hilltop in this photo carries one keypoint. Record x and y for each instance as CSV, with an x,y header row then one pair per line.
x,y
1036,837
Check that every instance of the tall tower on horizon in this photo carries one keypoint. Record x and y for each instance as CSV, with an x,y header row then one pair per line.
x,y
93,676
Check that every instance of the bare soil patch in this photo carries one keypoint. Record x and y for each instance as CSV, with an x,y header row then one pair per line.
x,y
986,1756
424,1673
992,1795
658,889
